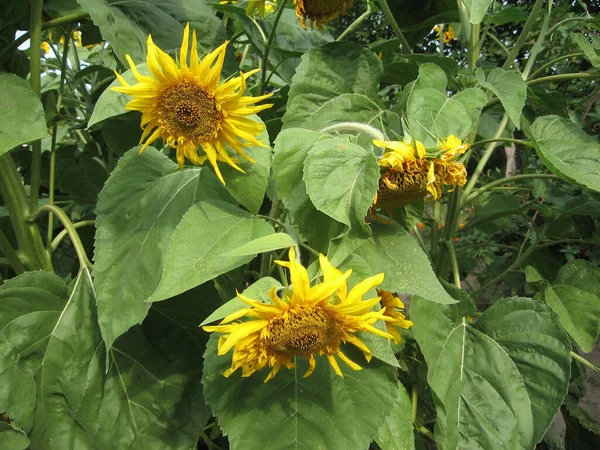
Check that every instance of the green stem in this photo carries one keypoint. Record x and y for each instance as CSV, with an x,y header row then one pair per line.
x,y
563,77
485,157
354,25
516,141
413,400
265,58
568,241
35,54
265,260
404,47
466,247
510,59
501,181
454,262
425,432
420,240
60,236
11,254
570,19
29,240
437,214
585,362
552,62
66,222
453,211
354,127
497,41
539,43
474,46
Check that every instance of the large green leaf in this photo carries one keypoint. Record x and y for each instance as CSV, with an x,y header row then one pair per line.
x,y
477,9
567,151
126,25
327,72
23,120
138,210
341,180
532,336
590,51
291,149
12,438
148,396
510,89
197,251
289,412
396,433
575,298
393,251
432,115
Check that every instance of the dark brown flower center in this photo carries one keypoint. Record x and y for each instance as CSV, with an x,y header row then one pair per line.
x,y
187,111
302,331
403,185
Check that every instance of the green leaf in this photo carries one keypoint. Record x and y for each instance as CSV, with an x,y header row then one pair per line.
x,y
396,432
532,336
328,71
291,149
498,205
263,244
249,188
590,51
138,210
393,251
258,291
141,399
321,411
24,120
567,151
510,89
508,15
197,250
127,25
341,180
477,9
12,438
575,298
432,115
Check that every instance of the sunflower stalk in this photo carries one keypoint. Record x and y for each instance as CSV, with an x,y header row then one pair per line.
x,y
36,85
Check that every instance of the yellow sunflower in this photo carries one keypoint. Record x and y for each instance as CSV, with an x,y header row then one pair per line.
x,y
320,12
308,321
449,33
188,107
410,175
390,305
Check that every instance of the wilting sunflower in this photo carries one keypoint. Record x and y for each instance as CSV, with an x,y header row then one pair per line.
x,y
391,306
308,321
410,175
320,12
188,107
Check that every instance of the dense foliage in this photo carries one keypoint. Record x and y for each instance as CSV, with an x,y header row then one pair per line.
x,y
336,224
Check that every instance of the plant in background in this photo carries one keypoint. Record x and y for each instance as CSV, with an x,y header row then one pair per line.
x,y
140,296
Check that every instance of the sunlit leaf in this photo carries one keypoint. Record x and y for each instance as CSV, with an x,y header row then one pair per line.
x,y
510,89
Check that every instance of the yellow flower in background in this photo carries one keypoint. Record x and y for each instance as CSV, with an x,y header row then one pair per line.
x,y
45,46
261,6
188,107
320,12
390,305
307,321
410,175
448,33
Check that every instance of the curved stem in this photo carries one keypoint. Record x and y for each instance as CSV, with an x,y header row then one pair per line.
x,y
405,48
35,54
570,19
562,77
11,255
60,236
497,41
454,262
585,362
353,127
70,229
354,25
265,58
516,141
552,62
501,181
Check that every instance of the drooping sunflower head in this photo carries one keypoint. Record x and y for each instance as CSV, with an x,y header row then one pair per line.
x,y
391,307
320,12
190,109
410,174
306,321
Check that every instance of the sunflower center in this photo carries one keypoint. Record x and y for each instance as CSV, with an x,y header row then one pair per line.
x,y
403,185
187,111
302,331
318,8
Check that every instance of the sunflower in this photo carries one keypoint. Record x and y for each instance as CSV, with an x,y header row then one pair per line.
x,y
320,12
390,305
307,321
449,33
411,175
187,106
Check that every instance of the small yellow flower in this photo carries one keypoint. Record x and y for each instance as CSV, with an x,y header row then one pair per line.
x,y
320,12
45,46
254,5
390,305
188,107
410,175
308,321
448,33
